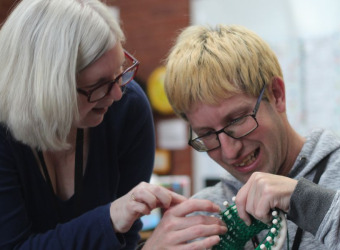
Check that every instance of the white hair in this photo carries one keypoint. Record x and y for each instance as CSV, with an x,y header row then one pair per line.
x,y
44,44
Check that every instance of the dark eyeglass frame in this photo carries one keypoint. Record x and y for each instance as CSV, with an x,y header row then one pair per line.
x,y
135,65
223,130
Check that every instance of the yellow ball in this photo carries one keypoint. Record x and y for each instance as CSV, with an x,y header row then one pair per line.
x,y
156,93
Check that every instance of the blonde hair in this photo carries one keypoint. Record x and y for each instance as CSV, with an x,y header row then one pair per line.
x,y
44,44
207,65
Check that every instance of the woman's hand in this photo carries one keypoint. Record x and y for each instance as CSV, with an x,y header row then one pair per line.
x,y
262,193
178,231
141,200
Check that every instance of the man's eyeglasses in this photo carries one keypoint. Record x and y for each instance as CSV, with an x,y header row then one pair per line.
x,y
237,129
102,89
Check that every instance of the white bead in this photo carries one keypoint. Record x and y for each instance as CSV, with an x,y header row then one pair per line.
x,y
225,203
274,213
263,246
269,239
275,221
234,199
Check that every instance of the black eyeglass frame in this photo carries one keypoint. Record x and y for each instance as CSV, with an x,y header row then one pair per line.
x,y
253,115
135,65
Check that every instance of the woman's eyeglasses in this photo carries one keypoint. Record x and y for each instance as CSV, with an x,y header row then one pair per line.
x,y
102,89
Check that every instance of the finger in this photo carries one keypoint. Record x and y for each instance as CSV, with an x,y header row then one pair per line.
x,y
252,199
260,197
124,213
179,223
144,198
262,211
156,196
189,221
241,202
197,232
263,207
205,243
167,198
170,239
138,208
151,195
193,205
177,198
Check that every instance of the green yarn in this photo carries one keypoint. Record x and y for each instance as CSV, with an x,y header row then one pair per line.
x,y
239,233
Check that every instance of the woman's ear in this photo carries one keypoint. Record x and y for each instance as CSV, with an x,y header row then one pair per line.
x,y
278,94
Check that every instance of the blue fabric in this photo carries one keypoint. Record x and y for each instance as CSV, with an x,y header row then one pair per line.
x,y
121,155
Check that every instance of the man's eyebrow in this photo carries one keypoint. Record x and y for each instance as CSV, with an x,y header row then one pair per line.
x,y
241,108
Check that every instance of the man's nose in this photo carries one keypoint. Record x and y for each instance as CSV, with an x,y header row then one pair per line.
x,y
230,147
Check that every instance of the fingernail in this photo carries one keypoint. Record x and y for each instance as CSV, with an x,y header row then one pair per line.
x,y
217,207
224,229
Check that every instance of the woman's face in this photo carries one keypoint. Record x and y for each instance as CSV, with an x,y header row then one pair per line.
x,y
105,69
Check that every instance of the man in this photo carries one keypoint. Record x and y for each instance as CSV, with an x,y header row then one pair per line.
x,y
228,84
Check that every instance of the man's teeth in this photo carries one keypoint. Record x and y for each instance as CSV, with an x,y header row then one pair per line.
x,y
251,158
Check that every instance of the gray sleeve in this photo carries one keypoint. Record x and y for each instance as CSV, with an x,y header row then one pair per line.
x,y
309,205
329,230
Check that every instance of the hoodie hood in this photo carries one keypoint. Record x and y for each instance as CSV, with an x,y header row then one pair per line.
x,y
319,143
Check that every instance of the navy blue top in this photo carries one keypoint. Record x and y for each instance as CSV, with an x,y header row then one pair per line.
x,y
121,155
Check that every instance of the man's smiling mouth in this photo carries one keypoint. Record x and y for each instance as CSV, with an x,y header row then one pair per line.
x,y
249,159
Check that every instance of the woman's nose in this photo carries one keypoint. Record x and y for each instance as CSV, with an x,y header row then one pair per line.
x,y
116,92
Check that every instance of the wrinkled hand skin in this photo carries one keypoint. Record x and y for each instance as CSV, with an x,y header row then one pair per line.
x,y
262,193
181,232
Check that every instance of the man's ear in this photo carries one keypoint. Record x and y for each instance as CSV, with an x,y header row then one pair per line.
x,y
278,94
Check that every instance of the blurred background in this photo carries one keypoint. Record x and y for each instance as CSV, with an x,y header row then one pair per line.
x,y
305,34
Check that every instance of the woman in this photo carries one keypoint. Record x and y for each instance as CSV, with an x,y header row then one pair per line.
x,y
74,161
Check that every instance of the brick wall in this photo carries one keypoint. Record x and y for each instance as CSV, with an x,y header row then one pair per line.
x,y
151,27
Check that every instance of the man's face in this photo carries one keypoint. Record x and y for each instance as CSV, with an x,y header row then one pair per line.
x,y
262,150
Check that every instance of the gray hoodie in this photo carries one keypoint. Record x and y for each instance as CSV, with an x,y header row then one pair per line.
x,y
315,208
